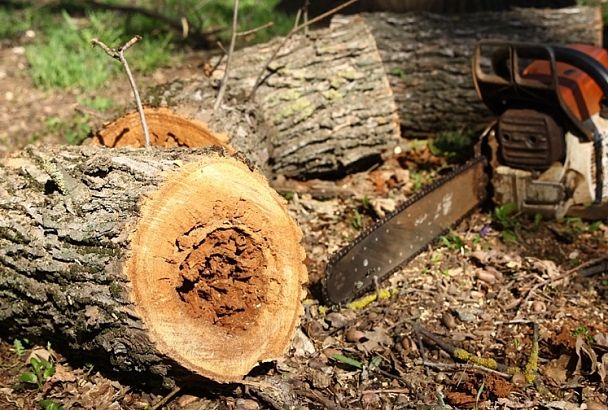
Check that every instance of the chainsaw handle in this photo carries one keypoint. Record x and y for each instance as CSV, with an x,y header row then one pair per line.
x,y
574,57
507,84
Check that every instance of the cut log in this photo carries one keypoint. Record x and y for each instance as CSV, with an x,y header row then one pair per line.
x,y
428,57
325,107
165,262
167,129
196,125
435,6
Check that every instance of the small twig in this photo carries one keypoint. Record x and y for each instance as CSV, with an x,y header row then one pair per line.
x,y
297,20
463,355
319,398
305,7
220,94
564,275
221,47
119,54
254,30
166,399
421,350
465,366
320,17
531,367
387,391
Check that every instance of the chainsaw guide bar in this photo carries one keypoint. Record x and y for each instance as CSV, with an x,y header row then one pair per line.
x,y
397,238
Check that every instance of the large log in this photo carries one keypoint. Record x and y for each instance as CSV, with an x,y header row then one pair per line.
x,y
435,6
164,262
325,107
428,57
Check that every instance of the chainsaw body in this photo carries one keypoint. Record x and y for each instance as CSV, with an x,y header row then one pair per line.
x,y
550,140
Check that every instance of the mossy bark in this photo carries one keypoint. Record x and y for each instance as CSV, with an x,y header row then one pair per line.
x,y
325,107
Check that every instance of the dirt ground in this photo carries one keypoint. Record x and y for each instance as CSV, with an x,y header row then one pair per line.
x,y
473,289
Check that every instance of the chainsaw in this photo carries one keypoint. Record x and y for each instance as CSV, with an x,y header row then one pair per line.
x,y
546,152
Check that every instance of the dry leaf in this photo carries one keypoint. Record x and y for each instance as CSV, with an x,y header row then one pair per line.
x,y
556,374
583,347
302,345
603,368
376,340
601,339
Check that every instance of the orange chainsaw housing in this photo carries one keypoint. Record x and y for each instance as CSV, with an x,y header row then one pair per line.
x,y
578,91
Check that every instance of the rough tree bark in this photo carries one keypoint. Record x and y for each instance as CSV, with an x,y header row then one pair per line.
x,y
428,57
325,107
435,6
166,262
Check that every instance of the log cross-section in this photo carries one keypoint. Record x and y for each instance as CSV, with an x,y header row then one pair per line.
x,y
167,262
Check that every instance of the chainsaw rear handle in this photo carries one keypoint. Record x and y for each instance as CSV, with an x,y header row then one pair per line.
x,y
506,88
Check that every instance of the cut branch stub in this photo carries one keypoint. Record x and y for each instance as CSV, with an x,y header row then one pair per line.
x,y
160,261
167,129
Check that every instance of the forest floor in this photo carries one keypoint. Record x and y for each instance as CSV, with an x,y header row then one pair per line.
x,y
484,287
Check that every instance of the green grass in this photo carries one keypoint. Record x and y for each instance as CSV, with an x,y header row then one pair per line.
x,y
15,21
454,145
252,14
64,58
60,56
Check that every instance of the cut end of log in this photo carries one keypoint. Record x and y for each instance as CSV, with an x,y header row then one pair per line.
x,y
217,269
167,129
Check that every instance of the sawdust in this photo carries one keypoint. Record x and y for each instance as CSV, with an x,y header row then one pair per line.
x,y
220,280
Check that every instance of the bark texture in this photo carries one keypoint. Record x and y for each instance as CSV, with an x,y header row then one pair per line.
x,y
325,102
163,262
435,6
428,57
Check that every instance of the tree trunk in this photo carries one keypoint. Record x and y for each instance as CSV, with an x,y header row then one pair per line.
x,y
168,262
325,107
428,58
435,6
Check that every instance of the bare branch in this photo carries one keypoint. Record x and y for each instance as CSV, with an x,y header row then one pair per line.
x,y
297,20
220,94
305,7
109,51
254,30
557,278
118,54
129,43
320,17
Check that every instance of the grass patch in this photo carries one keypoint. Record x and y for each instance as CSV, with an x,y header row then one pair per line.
x,y
64,58
73,130
61,55
97,103
15,21
252,14
454,145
